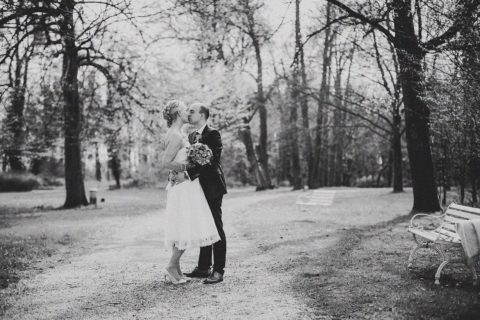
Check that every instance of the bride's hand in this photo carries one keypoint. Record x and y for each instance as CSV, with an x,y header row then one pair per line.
x,y
181,177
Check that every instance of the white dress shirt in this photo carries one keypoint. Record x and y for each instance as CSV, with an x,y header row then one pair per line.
x,y
202,128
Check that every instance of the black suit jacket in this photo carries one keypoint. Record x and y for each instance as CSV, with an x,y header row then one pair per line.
x,y
211,175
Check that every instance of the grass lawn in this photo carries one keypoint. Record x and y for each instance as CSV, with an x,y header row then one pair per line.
x,y
364,276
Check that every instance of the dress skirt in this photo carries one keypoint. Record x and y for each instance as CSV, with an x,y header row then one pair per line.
x,y
189,221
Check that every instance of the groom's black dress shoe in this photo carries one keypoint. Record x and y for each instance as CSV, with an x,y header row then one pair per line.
x,y
215,277
197,273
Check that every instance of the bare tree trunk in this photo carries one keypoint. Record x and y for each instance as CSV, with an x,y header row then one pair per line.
x,y
327,158
283,143
417,114
337,157
473,180
98,166
317,174
293,144
471,71
116,167
262,110
246,137
326,165
299,72
74,185
461,182
397,154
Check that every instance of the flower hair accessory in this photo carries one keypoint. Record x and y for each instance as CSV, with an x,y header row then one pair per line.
x,y
169,110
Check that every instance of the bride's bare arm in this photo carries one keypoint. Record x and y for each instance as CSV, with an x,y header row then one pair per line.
x,y
174,143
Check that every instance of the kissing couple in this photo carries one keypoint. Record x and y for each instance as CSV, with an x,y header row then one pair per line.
x,y
195,190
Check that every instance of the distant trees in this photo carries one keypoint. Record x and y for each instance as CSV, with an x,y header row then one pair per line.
x,y
17,66
64,28
246,19
327,101
228,29
403,27
454,97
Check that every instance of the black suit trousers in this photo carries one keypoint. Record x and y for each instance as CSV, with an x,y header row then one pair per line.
x,y
219,248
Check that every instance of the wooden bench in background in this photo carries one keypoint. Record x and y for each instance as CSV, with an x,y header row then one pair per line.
x,y
442,237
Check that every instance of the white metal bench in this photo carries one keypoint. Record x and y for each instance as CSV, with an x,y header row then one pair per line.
x,y
445,235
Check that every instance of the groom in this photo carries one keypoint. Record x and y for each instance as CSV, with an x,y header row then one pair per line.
x,y
213,185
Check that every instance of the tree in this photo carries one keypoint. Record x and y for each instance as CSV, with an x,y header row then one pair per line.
x,y
391,84
222,33
299,79
411,50
453,95
247,21
15,120
320,132
17,70
74,40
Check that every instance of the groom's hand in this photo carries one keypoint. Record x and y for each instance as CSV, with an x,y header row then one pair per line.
x,y
190,166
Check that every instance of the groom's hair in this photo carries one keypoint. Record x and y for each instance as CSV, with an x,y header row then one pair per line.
x,y
202,108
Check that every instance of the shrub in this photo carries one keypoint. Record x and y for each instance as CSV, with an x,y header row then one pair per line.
x,y
50,181
48,167
18,182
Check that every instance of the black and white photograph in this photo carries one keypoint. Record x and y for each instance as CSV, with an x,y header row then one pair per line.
x,y
240,159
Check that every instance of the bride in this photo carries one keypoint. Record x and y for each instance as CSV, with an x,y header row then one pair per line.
x,y
189,221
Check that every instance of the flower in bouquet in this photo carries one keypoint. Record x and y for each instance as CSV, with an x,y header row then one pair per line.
x,y
199,153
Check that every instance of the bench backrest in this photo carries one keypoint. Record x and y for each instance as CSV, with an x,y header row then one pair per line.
x,y
456,213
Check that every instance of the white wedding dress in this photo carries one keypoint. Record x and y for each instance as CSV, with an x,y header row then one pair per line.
x,y
189,221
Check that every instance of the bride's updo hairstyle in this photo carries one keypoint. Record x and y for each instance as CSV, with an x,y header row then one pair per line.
x,y
170,111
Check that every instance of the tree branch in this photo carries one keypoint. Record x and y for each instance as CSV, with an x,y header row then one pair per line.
x,y
373,22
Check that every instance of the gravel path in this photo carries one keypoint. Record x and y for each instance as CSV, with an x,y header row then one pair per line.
x,y
116,274
112,264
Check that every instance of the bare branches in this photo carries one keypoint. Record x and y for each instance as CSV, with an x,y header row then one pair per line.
x,y
371,21
361,114
380,66
325,27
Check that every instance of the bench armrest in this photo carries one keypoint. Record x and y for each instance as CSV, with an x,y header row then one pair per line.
x,y
414,225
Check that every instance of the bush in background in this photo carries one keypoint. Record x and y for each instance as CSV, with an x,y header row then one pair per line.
x,y
18,182
47,167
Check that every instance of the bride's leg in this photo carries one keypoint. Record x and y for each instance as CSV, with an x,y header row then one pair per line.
x,y
179,270
174,262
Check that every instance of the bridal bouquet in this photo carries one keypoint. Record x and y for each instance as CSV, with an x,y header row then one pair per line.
x,y
199,153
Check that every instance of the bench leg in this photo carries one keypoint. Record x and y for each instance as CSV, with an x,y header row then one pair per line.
x,y
471,265
419,246
411,257
441,266
439,271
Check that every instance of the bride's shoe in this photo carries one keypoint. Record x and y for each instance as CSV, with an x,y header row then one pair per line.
x,y
182,276
172,278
